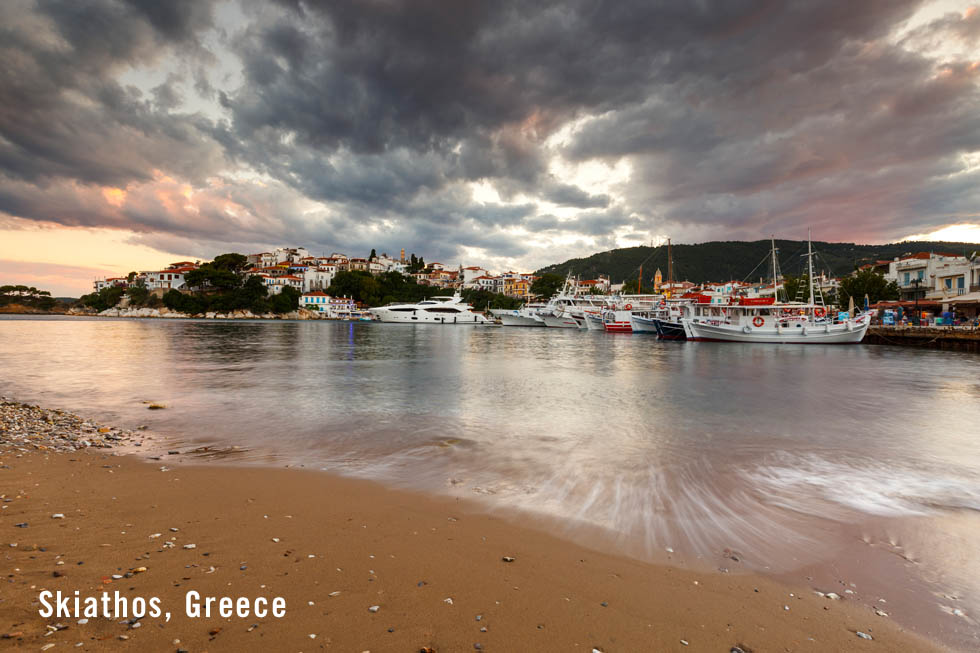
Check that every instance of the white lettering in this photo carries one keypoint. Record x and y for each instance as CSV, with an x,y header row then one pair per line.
x,y
192,607
46,611
279,607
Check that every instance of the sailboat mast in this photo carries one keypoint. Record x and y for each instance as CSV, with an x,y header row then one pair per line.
x,y
809,255
775,281
670,265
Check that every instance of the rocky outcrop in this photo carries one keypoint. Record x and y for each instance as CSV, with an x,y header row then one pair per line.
x,y
298,314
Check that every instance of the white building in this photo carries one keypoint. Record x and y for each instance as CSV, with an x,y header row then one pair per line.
x,y
923,273
471,273
318,278
334,307
110,282
274,285
170,279
290,254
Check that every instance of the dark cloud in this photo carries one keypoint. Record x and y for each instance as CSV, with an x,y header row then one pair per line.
x,y
360,124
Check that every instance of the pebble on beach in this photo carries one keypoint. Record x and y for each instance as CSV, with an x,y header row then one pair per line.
x,y
25,428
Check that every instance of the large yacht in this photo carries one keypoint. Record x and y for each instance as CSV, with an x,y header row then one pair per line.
x,y
437,310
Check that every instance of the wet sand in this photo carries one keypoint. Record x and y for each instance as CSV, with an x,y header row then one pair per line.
x,y
334,547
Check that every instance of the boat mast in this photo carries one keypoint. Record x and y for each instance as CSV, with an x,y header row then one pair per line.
x,y
670,265
775,282
809,254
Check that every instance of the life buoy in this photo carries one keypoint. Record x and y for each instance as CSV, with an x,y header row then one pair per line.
x,y
628,307
819,312
758,321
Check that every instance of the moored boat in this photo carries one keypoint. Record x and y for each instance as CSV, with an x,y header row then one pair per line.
x,y
437,310
641,324
764,320
525,316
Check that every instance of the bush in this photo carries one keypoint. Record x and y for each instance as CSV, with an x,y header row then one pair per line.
x,y
105,298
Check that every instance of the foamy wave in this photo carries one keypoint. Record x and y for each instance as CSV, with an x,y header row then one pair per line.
x,y
864,486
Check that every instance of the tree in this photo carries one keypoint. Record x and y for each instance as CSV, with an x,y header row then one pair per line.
x,y
547,284
866,282
138,293
184,303
232,262
219,277
105,298
287,300
374,255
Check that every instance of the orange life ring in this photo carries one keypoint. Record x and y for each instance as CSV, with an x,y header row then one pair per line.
x,y
628,307
819,312
758,321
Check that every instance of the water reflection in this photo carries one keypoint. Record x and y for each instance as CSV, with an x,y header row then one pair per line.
x,y
690,445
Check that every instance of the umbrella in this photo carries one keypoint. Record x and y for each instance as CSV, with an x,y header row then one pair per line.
x,y
850,305
867,302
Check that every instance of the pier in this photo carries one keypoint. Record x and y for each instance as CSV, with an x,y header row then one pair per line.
x,y
955,338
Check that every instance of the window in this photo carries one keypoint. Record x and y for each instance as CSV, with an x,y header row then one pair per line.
x,y
441,309
402,310
949,283
906,278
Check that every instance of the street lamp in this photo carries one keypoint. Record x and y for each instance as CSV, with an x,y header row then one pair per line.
x,y
918,318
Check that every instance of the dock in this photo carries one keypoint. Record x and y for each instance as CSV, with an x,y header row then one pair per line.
x,y
953,338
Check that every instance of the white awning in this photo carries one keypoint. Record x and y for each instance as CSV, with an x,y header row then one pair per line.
x,y
969,298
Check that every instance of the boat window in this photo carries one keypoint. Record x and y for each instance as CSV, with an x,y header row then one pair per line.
x,y
442,309
401,310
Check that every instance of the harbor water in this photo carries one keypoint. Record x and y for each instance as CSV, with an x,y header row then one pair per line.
x,y
855,469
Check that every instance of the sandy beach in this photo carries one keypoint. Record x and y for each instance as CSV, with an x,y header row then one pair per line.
x,y
360,567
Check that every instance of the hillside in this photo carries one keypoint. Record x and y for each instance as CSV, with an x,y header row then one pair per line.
x,y
736,260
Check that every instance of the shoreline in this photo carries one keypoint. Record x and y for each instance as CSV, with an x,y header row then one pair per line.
x,y
256,528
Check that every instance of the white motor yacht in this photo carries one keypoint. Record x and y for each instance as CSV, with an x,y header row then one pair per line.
x,y
437,310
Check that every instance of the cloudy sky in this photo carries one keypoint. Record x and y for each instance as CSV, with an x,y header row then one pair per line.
x,y
511,134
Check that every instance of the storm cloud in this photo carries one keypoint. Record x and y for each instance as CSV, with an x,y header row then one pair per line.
x,y
489,131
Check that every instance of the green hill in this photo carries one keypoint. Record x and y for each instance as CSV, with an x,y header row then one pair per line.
x,y
739,260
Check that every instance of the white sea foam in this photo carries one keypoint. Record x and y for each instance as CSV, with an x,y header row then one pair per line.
x,y
863,486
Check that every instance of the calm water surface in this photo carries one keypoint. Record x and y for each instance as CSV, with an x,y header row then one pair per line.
x,y
859,461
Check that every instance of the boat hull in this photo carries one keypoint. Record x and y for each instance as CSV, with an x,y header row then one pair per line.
x,y
514,318
563,322
670,330
821,334
594,322
389,317
643,324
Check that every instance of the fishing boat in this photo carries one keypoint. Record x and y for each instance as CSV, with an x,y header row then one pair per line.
x,y
617,321
525,316
765,320
643,324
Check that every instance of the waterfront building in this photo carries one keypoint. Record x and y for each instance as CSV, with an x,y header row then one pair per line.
x,y
334,307
172,278
919,274
122,282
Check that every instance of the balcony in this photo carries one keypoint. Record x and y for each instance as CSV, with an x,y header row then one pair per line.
x,y
912,265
